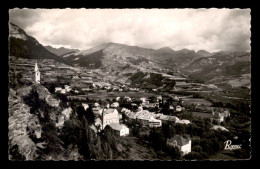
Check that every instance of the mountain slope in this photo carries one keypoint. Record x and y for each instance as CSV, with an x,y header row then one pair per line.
x,y
129,54
60,51
24,46
225,64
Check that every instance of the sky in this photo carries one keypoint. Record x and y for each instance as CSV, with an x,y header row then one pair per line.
x,y
195,29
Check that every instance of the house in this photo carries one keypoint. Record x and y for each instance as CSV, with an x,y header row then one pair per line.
x,y
124,110
63,91
183,121
159,98
58,89
85,106
178,108
143,99
154,122
175,98
97,111
114,105
67,88
151,105
109,116
96,105
128,99
117,98
183,144
218,127
120,129
226,113
217,116
166,118
146,118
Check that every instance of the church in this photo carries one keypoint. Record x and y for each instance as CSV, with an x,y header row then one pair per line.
x,y
37,74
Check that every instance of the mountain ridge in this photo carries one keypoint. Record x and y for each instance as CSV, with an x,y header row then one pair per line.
x,y
25,46
60,51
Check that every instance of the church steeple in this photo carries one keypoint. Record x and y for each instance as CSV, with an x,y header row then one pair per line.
x,y
36,67
37,74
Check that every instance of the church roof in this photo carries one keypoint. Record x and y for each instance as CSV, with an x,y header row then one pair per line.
x,y
36,67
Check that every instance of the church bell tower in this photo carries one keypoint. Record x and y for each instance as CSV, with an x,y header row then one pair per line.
x,y
37,74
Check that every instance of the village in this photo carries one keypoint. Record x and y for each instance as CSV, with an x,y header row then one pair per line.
x,y
119,105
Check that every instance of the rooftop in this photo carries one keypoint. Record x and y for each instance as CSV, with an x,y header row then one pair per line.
x,y
180,140
117,126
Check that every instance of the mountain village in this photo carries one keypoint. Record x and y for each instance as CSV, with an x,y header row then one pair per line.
x,y
117,101
109,111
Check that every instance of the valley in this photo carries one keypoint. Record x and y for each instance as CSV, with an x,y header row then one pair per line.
x,y
190,93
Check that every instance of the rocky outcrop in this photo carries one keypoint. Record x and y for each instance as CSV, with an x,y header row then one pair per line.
x,y
22,125
19,120
65,115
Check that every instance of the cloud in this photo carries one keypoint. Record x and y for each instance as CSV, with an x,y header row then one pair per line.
x,y
208,29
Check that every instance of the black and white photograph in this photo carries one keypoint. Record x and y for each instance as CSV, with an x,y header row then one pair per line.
x,y
129,84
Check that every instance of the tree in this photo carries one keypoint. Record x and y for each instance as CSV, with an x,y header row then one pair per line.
x,y
14,153
52,88
193,156
32,100
90,116
174,152
157,139
197,149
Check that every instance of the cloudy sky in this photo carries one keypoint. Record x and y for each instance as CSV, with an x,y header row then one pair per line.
x,y
196,29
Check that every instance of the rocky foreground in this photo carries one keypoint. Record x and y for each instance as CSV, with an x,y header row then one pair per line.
x,y
25,130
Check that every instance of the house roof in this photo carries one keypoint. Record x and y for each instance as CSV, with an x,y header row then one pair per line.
x,y
180,140
216,127
108,111
117,126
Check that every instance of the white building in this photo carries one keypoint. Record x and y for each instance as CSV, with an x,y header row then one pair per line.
x,y
97,111
218,127
143,99
183,144
128,99
67,88
58,89
86,106
114,105
96,105
154,122
63,91
110,116
37,74
178,108
183,121
120,129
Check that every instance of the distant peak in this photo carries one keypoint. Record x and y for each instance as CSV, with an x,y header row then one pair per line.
x,y
185,50
166,49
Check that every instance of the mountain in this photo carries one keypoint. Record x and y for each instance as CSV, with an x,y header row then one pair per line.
x,y
220,64
165,50
204,53
60,51
25,46
108,52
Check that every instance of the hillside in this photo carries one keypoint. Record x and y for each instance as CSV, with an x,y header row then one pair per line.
x,y
24,46
132,54
221,64
60,51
